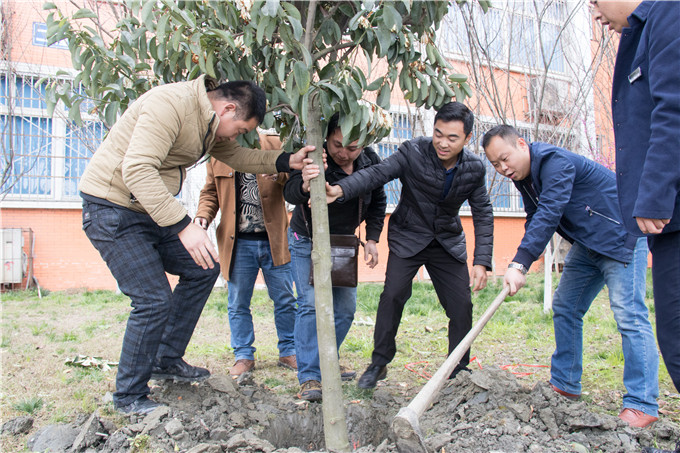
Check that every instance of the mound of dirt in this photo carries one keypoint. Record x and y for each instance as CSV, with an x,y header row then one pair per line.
x,y
484,411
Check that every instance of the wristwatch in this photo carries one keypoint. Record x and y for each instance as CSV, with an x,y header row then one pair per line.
x,y
520,267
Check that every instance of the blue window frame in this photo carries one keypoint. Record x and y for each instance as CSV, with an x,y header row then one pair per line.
x,y
43,158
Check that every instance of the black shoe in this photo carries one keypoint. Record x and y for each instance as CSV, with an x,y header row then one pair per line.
x,y
455,372
347,374
141,406
657,450
371,376
180,372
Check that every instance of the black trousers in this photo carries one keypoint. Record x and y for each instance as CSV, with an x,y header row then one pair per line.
x,y
452,284
665,250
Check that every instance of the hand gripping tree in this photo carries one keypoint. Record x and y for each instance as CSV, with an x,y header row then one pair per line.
x,y
313,59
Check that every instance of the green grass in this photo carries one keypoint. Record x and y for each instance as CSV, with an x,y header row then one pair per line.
x,y
38,335
29,405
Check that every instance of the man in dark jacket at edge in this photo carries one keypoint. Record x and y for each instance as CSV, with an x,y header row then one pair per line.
x,y
646,116
576,197
438,175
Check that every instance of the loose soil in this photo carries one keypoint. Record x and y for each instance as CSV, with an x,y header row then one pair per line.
x,y
487,410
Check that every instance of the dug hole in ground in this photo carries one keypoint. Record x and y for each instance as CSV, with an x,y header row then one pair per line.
x,y
487,410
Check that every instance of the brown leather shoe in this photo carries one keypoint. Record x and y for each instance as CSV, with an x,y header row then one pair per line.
x,y
310,391
241,366
637,418
288,361
570,396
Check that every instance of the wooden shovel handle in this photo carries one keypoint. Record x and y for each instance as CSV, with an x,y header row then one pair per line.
x,y
424,398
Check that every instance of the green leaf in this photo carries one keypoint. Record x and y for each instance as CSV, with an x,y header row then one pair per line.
x,y
261,27
49,5
466,88
457,78
111,112
391,18
377,83
84,13
127,60
147,14
383,99
301,77
270,8
384,38
225,36
281,68
297,27
337,91
291,10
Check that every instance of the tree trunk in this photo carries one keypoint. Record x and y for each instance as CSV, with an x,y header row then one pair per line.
x,y
334,423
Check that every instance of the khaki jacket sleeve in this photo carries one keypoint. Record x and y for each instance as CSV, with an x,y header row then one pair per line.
x,y
245,160
149,146
208,203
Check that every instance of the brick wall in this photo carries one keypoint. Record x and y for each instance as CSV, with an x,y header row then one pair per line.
x,y
65,259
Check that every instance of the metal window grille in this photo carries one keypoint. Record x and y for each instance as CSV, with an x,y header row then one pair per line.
x,y
43,157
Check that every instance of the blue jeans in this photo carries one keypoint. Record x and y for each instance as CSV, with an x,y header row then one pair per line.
x,y
344,306
138,253
585,274
249,257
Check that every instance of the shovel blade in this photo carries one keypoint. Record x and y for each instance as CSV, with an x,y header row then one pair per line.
x,y
406,430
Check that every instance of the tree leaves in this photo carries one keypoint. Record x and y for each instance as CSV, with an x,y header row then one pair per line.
x,y
161,42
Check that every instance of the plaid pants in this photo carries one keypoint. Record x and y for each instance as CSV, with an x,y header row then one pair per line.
x,y
138,253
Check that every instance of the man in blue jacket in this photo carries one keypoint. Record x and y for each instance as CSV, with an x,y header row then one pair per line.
x,y
576,197
438,175
646,116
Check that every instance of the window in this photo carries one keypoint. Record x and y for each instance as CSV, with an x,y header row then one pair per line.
x,y
402,130
43,157
510,33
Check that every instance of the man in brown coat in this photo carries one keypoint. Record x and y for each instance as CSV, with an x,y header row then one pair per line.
x,y
252,236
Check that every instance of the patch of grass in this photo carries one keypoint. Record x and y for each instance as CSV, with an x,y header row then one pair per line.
x,y
100,299
351,392
63,337
29,405
141,444
122,317
39,329
60,416
6,341
272,382
78,374
92,328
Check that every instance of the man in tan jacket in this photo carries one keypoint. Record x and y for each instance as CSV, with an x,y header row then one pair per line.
x,y
131,216
251,236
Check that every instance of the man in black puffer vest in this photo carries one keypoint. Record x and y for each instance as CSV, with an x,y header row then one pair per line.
x,y
438,175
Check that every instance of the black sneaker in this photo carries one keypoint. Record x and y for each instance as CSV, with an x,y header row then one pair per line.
x,y
346,373
180,372
141,406
371,376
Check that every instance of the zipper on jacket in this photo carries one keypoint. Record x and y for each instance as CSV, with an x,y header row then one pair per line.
x,y
591,211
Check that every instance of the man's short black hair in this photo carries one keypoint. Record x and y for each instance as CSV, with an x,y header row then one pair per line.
x,y
455,111
333,124
504,131
250,98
